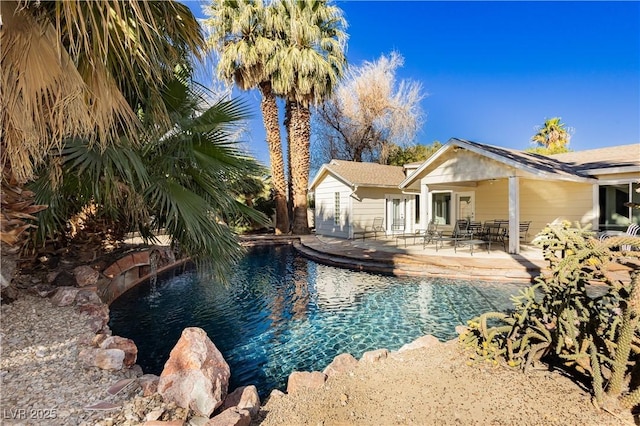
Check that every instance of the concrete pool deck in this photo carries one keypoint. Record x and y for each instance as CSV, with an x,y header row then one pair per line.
x,y
386,255
389,256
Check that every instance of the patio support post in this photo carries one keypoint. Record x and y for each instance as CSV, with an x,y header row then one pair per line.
x,y
514,214
595,223
424,208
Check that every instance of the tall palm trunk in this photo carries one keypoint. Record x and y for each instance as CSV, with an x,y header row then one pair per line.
x,y
269,109
287,121
299,134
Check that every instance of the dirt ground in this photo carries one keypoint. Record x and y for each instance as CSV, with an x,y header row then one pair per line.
x,y
436,386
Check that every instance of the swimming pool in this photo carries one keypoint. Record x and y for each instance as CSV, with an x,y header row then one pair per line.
x,y
283,313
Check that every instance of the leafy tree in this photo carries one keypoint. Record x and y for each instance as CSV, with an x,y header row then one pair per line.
x,y
79,69
411,154
243,36
306,70
551,138
369,112
183,179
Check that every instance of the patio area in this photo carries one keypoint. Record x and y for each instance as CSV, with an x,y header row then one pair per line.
x,y
387,254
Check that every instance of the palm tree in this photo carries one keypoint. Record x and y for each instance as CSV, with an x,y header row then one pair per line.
x,y
183,179
241,34
305,71
553,135
80,69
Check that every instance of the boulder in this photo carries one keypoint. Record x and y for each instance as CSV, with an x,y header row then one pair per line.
x,y
149,384
231,417
299,380
244,398
64,279
343,363
64,296
374,356
85,276
98,316
105,359
163,423
42,290
196,376
126,345
87,296
421,342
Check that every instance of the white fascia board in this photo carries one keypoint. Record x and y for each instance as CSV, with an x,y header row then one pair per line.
x,y
412,177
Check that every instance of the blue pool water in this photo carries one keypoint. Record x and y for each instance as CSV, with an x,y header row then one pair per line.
x,y
283,313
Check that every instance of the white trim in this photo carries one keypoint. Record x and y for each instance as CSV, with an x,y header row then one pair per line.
x,y
595,221
605,182
514,214
611,170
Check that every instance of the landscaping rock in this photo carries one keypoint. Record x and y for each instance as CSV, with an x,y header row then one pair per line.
x,y
343,363
126,345
98,316
85,276
421,342
196,376
244,398
42,290
299,380
149,384
105,359
231,417
64,279
374,356
87,296
64,296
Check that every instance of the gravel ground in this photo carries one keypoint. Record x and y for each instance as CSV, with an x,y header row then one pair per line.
x,y
42,382
435,386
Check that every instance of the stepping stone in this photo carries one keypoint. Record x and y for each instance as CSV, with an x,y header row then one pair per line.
x,y
102,406
119,385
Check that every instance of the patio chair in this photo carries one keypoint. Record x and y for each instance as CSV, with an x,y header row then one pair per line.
x,y
430,234
459,232
377,227
631,231
495,231
524,230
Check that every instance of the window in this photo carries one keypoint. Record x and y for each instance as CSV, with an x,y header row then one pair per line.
x,y
336,209
616,206
441,208
417,209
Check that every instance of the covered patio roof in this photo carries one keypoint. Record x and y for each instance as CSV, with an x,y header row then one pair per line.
x,y
507,162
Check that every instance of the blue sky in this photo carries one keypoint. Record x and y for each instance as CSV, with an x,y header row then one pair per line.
x,y
492,71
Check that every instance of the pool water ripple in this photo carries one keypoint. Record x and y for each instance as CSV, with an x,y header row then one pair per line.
x,y
283,313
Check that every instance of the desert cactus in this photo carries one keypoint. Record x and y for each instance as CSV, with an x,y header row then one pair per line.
x,y
556,319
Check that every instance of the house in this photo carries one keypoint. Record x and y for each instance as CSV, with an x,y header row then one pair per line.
x,y
350,195
466,179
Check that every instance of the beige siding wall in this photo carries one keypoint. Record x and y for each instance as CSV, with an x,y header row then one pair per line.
x,y
541,202
325,202
369,205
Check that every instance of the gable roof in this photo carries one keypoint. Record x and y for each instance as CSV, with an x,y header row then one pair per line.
x,y
356,174
537,164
